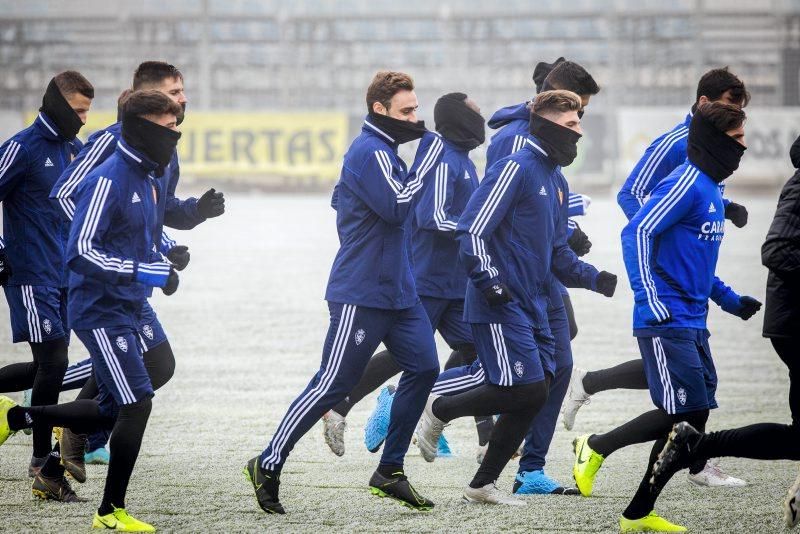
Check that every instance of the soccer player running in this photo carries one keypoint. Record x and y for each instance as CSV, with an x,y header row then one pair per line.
x,y
32,264
371,294
660,158
531,477
113,262
440,277
512,236
182,214
670,248
762,441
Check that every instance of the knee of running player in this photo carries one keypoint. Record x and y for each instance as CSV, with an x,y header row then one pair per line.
x,y
136,410
696,418
529,398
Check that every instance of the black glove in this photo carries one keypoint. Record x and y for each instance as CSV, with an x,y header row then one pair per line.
x,y
178,256
749,307
579,242
5,268
605,283
172,283
211,204
736,213
497,294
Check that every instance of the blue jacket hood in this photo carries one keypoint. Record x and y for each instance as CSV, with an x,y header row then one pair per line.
x,y
507,114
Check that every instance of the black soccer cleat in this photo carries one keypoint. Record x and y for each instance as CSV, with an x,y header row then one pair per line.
x,y
54,489
677,454
400,489
265,484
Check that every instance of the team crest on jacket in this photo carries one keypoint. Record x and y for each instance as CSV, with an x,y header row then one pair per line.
x,y
360,335
122,343
148,331
682,396
47,325
519,368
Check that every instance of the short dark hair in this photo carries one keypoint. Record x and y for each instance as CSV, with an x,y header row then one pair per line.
x,y
556,101
149,102
724,117
570,76
70,82
716,82
152,73
385,85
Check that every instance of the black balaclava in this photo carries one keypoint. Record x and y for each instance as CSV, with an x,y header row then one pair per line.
x,y
459,123
153,140
183,114
714,152
56,107
541,71
399,130
794,153
560,143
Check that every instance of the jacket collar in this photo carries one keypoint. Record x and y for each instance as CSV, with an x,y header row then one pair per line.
x,y
134,157
47,127
535,146
377,132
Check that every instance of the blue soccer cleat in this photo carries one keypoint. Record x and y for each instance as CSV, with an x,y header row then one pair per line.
x,y
444,450
98,456
377,426
538,483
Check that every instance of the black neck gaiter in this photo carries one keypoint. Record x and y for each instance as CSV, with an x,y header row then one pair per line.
x,y
153,140
459,123
714,152
560,143
56,107
400,131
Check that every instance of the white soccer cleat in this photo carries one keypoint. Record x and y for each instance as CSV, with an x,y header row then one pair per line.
x,y
428,432
481,452
791,506
713,476
576,397
334,427
489,494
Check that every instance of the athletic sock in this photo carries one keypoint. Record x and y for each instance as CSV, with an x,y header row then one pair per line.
x,y
51,364
381,367
508,433
484,424
17,376
126,440
628,375
79,415
52,467
649,426
389,470
645,497
761,441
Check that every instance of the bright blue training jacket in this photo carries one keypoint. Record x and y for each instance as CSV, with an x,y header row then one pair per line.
x,y
670,248
374,202
35,234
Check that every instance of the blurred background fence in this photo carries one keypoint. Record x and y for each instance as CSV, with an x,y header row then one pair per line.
x,y
276,88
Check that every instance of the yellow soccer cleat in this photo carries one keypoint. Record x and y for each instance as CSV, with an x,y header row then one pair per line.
x,y
5,405
121,520
587,462
652,522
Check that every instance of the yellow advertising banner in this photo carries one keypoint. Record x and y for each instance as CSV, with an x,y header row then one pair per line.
x,y
248,146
